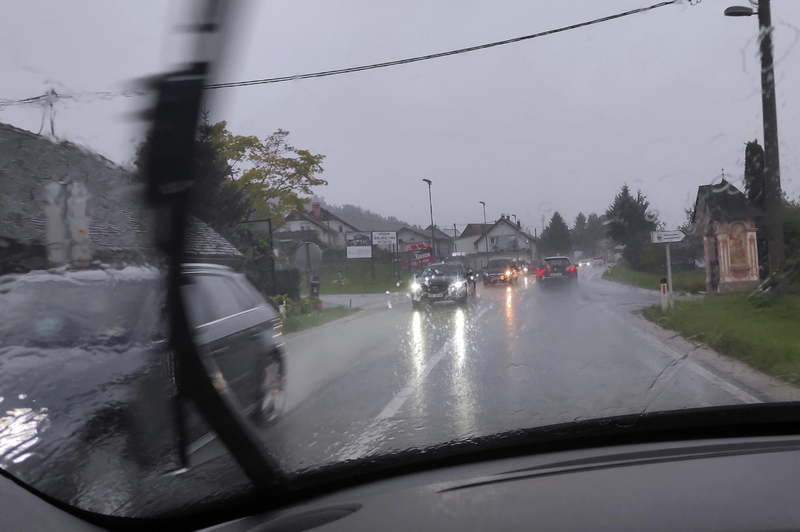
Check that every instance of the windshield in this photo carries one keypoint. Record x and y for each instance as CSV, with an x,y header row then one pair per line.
x,y
342,153
498,264
447,271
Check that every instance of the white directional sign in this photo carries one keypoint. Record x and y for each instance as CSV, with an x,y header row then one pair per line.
x,y
666,237
384,238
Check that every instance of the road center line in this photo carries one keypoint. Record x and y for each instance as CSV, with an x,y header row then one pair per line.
x,y
416,381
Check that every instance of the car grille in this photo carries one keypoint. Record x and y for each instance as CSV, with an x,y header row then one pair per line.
x,y
435,289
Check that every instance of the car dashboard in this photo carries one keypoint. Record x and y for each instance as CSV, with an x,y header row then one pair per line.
x,y
742,484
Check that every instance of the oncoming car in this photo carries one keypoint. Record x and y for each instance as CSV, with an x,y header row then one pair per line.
x,y
499,271
443,282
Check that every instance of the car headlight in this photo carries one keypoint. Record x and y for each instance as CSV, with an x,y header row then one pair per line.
x,y
502,277
458,284
525,270
508,272
415,287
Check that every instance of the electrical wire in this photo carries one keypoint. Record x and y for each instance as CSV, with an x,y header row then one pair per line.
x,y
325,73
437,55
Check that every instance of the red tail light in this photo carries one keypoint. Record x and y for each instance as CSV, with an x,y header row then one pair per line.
x,y
539,271
572,268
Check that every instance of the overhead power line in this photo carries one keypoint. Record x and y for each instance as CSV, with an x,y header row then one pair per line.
x,y
89,96
386,64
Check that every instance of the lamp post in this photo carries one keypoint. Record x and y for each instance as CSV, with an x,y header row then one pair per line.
x,y
485,236
430,202
772,176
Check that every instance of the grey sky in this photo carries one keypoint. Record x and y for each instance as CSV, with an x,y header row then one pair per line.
x,y
661,101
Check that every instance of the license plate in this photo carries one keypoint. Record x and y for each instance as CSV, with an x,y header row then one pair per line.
x,y
435,295
554,274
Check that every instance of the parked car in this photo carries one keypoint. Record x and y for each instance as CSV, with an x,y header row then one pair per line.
x,y
558,270
499,271
443,282
85,352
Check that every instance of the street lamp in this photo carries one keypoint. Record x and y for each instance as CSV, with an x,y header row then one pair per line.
x,y
430,202
772,175
485,236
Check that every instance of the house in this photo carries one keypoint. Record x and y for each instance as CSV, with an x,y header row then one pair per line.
x,y
727,221
503,238
328,228
444,245
61,204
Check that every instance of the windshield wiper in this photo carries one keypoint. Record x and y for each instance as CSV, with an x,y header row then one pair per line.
x,y
170,179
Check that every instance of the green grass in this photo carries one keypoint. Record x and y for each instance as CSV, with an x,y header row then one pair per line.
x,y
298,322
358,278
691,281
764,333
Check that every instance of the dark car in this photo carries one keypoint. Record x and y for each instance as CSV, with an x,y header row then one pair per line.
x,y
443,282
499,271
557,270
84,356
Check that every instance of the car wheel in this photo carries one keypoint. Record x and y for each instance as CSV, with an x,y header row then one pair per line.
x,y
271,395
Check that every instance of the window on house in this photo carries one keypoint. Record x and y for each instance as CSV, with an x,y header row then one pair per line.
x,y
305,227
494,239
341,230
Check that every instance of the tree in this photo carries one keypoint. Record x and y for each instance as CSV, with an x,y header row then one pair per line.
x,y
629,224
273,174
754,172
580,236
555,237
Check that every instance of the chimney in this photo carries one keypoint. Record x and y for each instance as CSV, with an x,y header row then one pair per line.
x,y
519,224
316,212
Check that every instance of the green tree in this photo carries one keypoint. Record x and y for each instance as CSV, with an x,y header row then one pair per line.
x,y
578,232
272,173
629,224
754,172
555,237
595,231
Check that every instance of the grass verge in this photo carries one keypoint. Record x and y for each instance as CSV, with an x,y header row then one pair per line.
x,y
691,281
357,277
299,322
763,333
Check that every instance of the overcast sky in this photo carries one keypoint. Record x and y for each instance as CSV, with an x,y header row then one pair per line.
x,y
662,101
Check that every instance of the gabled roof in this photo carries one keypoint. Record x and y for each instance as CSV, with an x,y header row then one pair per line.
x,y
119,220
437,233
475,230
724,202
502,221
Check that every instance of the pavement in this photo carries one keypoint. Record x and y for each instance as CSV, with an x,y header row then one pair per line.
x,y
391,378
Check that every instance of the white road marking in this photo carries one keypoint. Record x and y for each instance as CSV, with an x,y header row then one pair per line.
x,y
416,381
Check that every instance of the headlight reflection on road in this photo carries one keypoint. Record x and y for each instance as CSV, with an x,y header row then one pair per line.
x,y
417,352
19,431
459,340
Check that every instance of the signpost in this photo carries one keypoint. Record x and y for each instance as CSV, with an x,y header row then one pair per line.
x,y
307,258
666,237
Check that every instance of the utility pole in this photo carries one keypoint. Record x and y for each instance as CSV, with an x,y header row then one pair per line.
x,y
773,201
433,237
485,235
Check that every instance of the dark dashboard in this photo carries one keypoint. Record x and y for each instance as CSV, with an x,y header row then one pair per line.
x,y
742,484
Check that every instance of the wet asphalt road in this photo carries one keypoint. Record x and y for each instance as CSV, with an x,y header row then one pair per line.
x,y
393,378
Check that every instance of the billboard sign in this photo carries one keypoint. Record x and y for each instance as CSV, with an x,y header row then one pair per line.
x,y
359,245
416,254
380,238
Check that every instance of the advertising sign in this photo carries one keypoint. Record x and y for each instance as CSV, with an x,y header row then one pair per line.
x,y
380,238
416,254
359,245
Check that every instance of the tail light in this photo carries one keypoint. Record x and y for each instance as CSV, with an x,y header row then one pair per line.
x,y
572,268
539,271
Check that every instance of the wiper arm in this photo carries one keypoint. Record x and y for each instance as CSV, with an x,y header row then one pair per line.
x,y
170,179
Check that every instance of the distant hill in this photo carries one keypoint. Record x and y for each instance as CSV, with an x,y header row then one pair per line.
x,y
359,215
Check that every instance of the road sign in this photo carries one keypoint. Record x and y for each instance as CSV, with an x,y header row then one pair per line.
x,y
308,256
666,237
384,238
